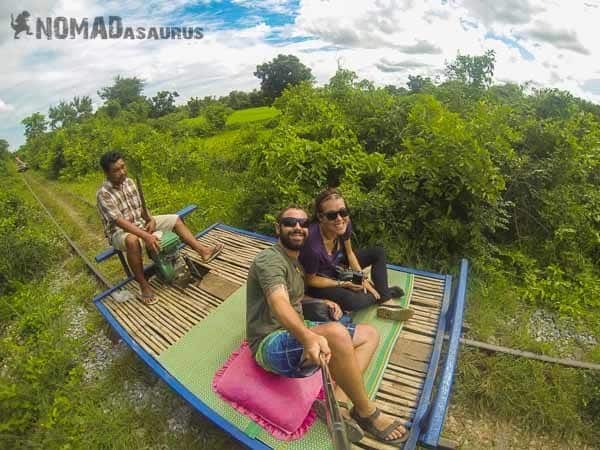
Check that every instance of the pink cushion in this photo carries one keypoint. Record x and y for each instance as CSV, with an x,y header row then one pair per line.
x,y
280,405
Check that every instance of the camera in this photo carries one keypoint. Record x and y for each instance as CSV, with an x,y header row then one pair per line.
x,y
349,275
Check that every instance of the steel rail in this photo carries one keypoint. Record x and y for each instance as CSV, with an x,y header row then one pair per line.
x,y
101,278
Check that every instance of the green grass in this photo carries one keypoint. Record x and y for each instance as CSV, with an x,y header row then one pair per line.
x,y
193,122
560,401
252,115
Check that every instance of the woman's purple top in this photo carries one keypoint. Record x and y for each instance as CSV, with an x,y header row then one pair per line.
x,y
314,257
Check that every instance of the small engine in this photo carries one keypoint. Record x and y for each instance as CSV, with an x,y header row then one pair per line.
x,y
171,266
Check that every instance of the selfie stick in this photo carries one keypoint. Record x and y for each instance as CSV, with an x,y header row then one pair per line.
x,y
335,422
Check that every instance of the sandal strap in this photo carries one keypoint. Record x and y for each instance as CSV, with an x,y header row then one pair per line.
x,y
367,421
373,416
388,430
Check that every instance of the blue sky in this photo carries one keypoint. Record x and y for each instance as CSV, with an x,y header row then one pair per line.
x,y
541,43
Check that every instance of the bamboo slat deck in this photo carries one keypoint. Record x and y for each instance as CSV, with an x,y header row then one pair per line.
x,y
159,326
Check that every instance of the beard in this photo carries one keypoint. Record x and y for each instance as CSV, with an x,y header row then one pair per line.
x,y
288,242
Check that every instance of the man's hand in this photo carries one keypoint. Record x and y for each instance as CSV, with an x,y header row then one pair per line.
x,y
335,312
152,243
150,226
314,345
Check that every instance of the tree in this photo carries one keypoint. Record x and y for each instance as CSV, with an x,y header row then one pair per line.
x,y
196,105
418,83
475,71
3,148
553,103
256,98
282,71
112,108
237,100
343,80
395,90
65,114
124,91
4,154
83,106
35,125
216,115
62,114
163,103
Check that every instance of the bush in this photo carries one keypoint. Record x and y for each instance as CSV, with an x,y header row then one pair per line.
x,y
28,245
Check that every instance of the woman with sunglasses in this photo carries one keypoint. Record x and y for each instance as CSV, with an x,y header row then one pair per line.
x,y
329,246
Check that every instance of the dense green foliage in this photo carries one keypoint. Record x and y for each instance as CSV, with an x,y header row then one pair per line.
x,y
503,175
4,155
281,72
27,248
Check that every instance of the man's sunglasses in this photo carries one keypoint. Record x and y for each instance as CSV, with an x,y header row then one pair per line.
x,y
332,215
292,221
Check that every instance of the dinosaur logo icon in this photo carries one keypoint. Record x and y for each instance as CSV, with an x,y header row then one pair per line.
x,y
20,24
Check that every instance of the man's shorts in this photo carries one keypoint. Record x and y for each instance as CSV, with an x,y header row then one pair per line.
x,y
164,222
281,353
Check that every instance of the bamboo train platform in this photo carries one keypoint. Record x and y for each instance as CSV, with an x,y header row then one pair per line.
x,y
414,384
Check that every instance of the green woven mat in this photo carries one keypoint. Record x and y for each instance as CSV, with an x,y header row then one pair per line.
x,y
388,331
195,358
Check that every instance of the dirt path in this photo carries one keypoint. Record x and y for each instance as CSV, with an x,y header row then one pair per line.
x,y
55,198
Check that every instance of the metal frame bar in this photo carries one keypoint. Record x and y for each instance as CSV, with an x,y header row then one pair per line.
x,y
425,399
423,273
437,414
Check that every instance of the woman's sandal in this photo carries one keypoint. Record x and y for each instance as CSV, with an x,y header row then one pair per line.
x,y
394,312
354,432
367,424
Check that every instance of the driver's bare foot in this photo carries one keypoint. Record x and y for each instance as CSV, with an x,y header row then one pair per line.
x,y
210,253
148,295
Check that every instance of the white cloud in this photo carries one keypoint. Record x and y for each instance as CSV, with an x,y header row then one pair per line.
x,y
276,6
5,107
512,12
559,38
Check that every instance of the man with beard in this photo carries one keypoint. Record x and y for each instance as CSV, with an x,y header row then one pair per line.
x,y
127,225
284,343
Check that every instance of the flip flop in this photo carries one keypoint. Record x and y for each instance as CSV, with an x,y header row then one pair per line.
x,y
217,249
149,299
367,424
394,312
354,432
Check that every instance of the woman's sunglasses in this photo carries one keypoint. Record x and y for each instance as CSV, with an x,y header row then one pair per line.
x,y
332,215
292,221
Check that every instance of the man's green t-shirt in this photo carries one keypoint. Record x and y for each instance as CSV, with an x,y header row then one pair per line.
x,y
270,268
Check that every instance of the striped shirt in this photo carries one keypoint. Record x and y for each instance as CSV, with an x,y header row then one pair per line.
x,y
122,201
